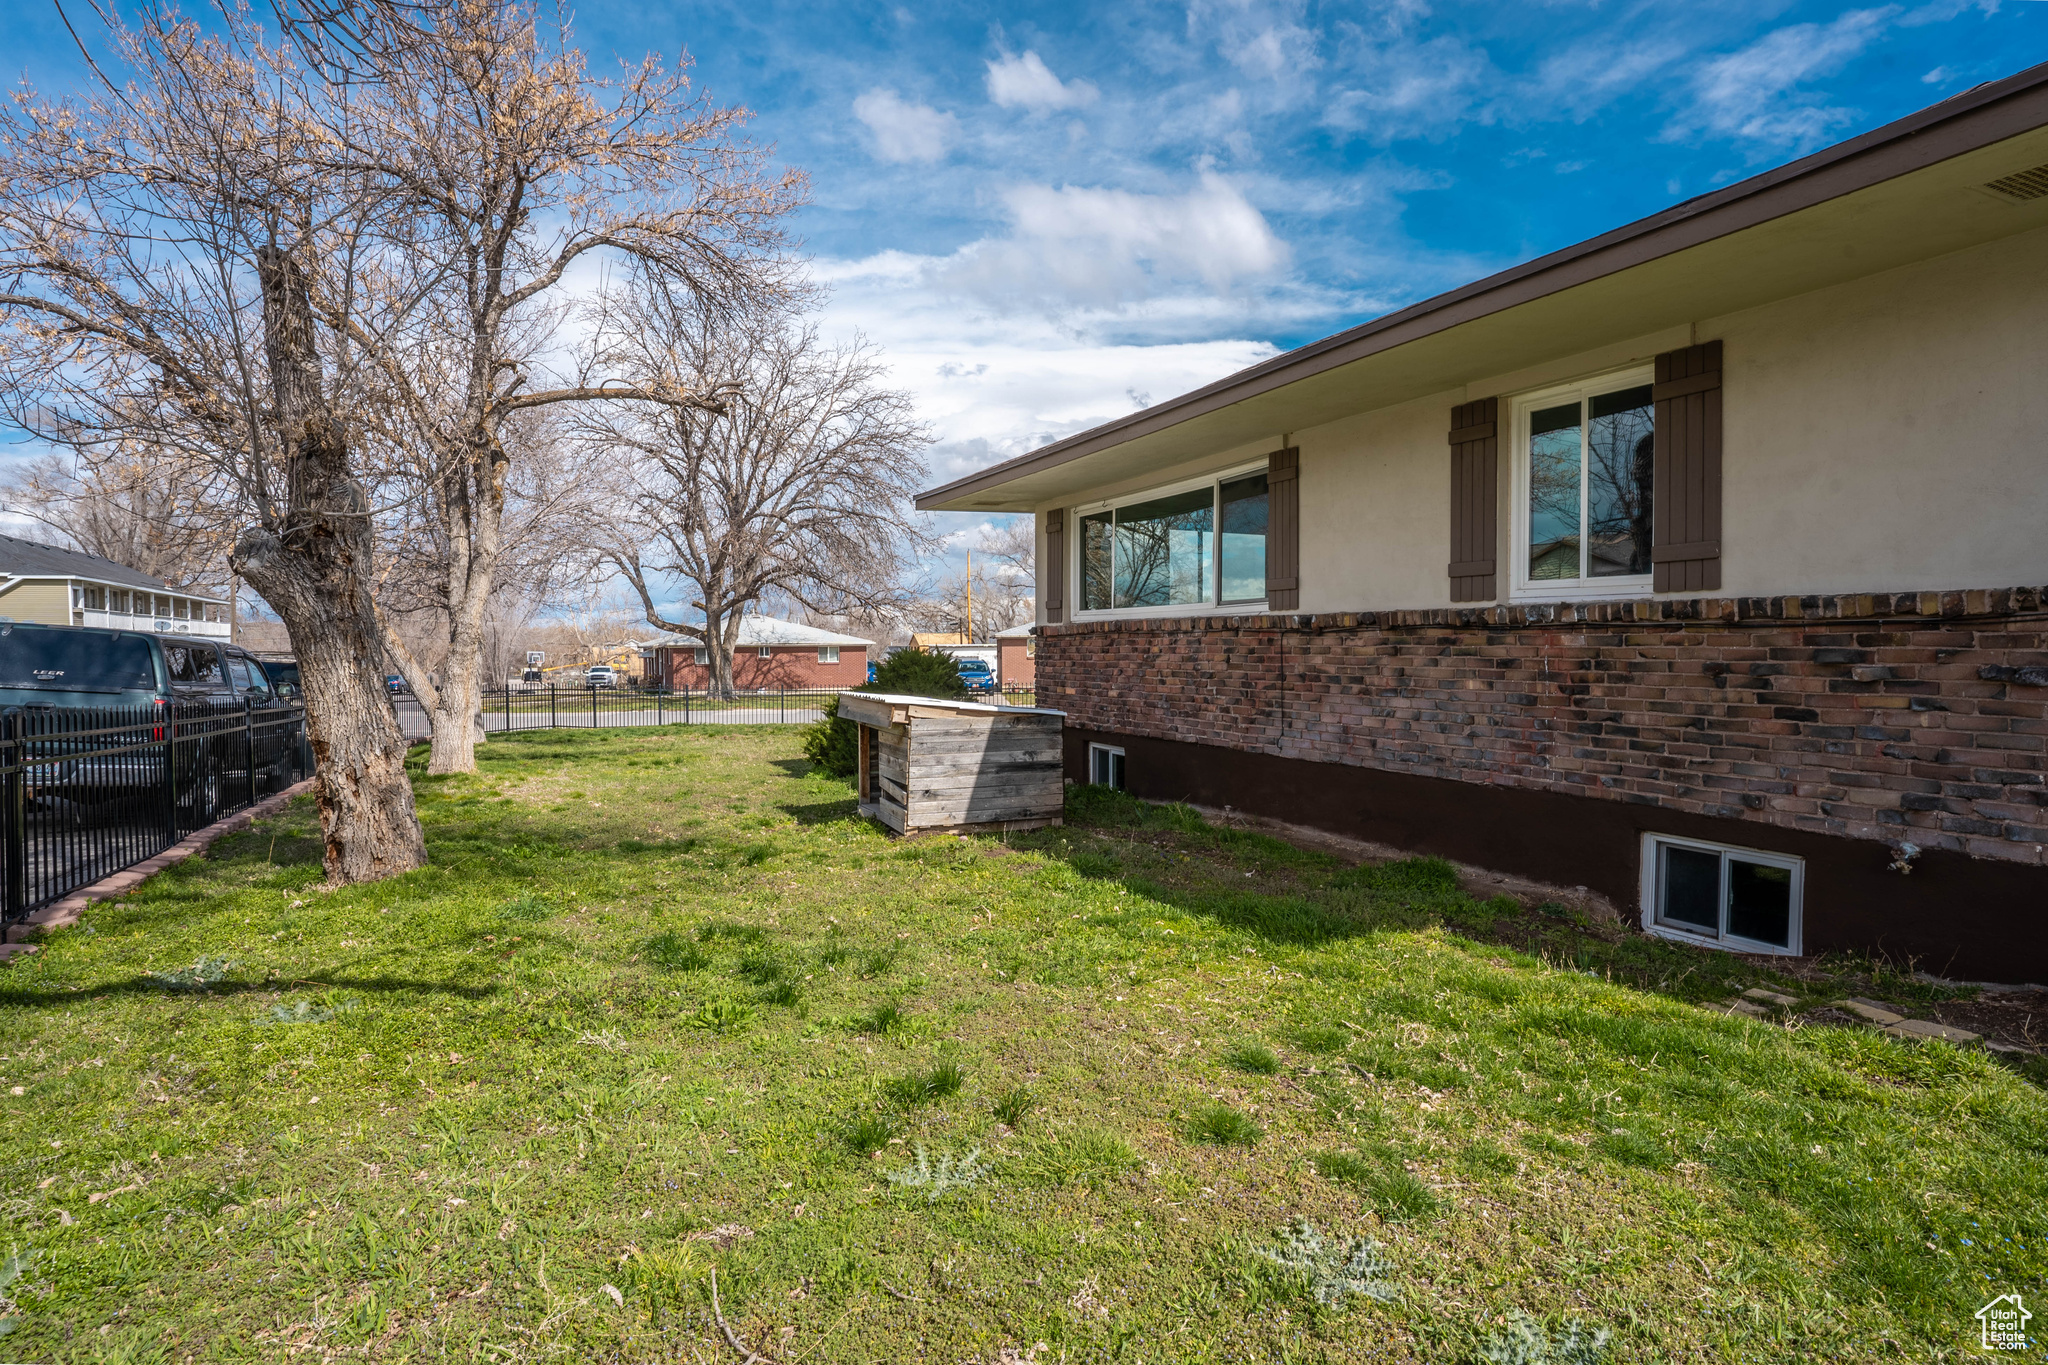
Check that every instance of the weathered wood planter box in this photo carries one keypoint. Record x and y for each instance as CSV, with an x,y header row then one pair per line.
x,y
927,764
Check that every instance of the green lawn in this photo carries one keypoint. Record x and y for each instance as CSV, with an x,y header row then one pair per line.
x,y
664,1007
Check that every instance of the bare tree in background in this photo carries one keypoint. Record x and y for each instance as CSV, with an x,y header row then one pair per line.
x,y
802,487
1001,596
517,165
253,258
122,505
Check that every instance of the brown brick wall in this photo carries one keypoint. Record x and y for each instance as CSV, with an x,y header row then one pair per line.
x,y
1921,717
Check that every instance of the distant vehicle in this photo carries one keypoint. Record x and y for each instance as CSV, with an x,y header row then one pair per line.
x,y
284,677
600,675
978,676
394,683
871,672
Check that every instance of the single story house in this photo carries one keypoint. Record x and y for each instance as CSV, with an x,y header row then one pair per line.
x,y
1699,564
771,654
1017,659
60,587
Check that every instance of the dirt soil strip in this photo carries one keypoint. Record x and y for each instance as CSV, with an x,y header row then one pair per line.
x,y
66,912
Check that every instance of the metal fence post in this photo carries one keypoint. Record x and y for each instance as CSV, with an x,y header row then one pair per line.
x,y
14,792
169,731
551,706
249,750
593,708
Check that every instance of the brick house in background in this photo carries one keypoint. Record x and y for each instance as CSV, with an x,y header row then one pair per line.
x,y
1698,563
771,654
1017,659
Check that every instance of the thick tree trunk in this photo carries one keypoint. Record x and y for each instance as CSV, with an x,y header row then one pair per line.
x,y
718,654
456,705
315,570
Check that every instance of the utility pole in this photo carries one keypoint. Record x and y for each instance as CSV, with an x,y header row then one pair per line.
x,y
970,597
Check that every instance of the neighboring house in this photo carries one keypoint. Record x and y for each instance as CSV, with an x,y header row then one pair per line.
x,y
1017,658
771,654
1699,564
69,588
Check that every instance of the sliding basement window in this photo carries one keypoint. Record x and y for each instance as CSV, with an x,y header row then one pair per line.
x,y
1740,899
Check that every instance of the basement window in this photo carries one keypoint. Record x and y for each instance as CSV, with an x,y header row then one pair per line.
x,y
1106,766
1740,899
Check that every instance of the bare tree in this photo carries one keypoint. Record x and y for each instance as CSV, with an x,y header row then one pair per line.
x,y
125,506
996,590
801,487
516,165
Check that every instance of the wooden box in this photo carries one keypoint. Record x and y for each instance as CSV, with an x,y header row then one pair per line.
x,y
927,764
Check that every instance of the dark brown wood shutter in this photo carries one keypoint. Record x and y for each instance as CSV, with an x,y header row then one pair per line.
x,y
1056,566
1283,530
1475,500
1685,518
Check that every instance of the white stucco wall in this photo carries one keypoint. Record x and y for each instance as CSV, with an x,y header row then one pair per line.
x,y
1885,435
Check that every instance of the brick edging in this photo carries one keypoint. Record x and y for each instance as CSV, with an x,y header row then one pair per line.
x,y
1947,605
66,912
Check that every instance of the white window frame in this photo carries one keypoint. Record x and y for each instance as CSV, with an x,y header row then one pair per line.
x,y
1208,606
764,651
828,654
1796,930
1522,588
1107,752
701,656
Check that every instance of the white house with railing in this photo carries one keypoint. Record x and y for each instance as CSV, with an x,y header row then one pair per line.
x,y
62,587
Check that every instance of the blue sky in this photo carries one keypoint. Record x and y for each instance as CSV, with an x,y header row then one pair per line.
x,y
1050,215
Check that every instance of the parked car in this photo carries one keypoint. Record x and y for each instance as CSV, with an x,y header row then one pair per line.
x,y
600,675
978,676
48,668
284,677
395,683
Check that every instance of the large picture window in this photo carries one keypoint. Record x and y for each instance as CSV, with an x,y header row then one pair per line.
x,y
1187,547
1586,456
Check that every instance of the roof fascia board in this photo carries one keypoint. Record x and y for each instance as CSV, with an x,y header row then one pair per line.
x,y
1977,118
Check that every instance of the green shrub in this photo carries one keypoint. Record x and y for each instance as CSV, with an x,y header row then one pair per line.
x,y
917,672
832,744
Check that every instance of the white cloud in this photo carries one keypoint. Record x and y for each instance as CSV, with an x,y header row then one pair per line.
x,y
1387,83
1101,247
905,131
1264,40
1754,94
994,384
1584,77
1027,83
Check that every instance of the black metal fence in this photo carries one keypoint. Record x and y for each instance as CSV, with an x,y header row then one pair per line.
x,y
542,707
88,791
